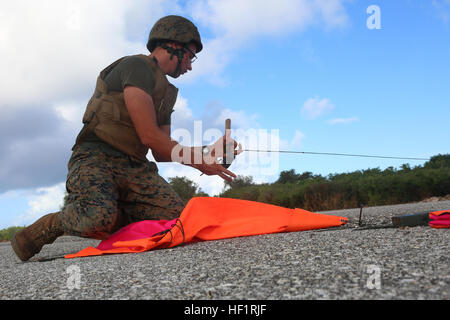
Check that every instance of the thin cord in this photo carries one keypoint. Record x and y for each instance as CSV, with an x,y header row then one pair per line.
x,y
337,154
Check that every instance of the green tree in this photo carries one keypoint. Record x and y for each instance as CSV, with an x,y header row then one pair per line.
x,y
288,176
439,161
6,234
370,187
186,188
240,182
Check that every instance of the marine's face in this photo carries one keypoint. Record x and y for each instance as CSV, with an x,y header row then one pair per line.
x,y
186,62
188,58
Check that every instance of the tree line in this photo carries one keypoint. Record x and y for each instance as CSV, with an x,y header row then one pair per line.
x,y
314,192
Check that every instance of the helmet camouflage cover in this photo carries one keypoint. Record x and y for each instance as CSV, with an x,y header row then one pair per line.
x,y
174,28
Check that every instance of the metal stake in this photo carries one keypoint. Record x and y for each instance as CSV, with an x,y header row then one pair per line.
x,y
360,214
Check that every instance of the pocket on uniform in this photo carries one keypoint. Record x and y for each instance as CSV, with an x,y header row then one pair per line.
x,y
80,159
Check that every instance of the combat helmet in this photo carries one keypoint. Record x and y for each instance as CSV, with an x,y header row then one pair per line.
x,y
174,28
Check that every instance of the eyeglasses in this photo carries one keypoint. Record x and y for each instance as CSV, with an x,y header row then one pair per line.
x,y
194,57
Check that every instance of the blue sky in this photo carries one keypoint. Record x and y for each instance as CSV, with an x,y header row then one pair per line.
x,y
309,72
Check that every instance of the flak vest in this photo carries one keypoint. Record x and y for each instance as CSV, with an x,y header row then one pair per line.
x,y
107,116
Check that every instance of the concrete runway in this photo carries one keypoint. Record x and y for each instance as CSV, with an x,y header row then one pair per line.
x,y
335,264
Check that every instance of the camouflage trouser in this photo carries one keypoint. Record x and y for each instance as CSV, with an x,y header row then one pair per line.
x,y
108,190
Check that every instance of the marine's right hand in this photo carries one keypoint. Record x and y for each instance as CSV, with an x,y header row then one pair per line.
x,y
215,169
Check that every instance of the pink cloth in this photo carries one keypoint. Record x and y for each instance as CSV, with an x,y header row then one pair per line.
x,y
441,221
443,216
135,231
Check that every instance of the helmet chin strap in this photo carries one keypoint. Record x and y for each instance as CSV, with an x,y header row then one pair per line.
x,y
179,53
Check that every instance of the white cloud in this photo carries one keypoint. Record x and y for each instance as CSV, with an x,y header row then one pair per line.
x,y
212,119
41,202
237,23
343,120
212,61
182,116
332,13
316,107
52,52
443,9
71,111
298,139
263,167
242,20
239,118
54,49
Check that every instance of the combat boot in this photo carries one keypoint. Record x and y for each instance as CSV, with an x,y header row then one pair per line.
x,y
29,241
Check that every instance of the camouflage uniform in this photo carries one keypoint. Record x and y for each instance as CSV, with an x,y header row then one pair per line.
x,y
110,181
108,190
